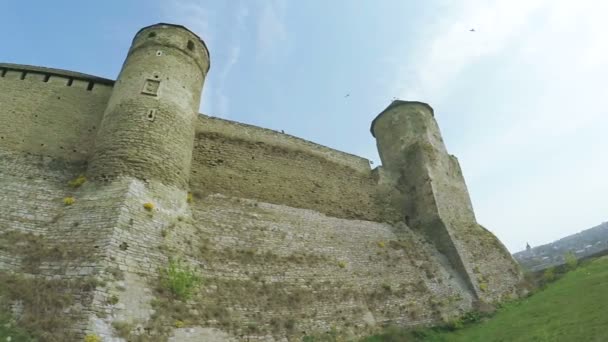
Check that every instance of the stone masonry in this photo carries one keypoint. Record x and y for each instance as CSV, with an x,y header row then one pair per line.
x,y
106,184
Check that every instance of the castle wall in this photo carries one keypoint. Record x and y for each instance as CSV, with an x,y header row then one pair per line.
x,y
233,129
274,270
50,112
252,162
308,272
51,253
290,238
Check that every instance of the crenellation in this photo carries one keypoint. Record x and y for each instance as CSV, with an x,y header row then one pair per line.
x,y
290,238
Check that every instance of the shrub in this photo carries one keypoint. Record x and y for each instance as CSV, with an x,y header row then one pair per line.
x,y
69,200
189,197
341,264
483,287
113,300
149,206
123,329
381,244
549,274
571,260
179,324
77,182
455,324
471,317
179,279
92,338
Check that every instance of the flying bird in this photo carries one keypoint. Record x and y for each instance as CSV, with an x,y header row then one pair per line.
x,y
472,30
347,95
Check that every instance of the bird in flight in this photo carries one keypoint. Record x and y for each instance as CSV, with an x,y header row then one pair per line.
x,y
347,95
472,30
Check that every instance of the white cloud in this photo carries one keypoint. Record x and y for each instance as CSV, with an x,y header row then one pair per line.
x,y
558,52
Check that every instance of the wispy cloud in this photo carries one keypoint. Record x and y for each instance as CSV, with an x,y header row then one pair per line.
x,y
223,41
271,29
223,107
446,49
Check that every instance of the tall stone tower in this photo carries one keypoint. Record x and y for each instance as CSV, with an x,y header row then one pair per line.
x,y
147,129
435,197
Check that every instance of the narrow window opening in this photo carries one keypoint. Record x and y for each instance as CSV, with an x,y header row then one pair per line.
x,y
407,220
190,45
151,34
90,86
151,115
70,81
46,78
23,75
3,72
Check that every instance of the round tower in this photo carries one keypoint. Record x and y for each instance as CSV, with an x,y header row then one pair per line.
x,y
147,129
401,125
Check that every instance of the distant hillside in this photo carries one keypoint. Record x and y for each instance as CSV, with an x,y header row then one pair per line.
x,y
587,242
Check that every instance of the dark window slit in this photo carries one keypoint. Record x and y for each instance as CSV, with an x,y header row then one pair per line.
x,y
46,78
23,75
70,81
90,86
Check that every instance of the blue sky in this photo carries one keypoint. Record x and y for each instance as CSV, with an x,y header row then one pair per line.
x,y
521,101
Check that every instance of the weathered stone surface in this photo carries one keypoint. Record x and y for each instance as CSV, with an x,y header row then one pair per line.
x,y
290,238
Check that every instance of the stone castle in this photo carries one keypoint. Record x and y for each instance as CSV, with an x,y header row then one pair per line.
x,y
105,184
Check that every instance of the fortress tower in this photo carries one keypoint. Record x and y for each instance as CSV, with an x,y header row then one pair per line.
x,y
147,129
436,200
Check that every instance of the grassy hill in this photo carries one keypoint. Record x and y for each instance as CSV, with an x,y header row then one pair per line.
x,y
574,308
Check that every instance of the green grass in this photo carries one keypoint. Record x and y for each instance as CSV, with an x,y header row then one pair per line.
x,y
574,308
8,329
180,279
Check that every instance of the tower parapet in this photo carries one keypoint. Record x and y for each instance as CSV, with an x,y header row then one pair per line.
x,y
148,126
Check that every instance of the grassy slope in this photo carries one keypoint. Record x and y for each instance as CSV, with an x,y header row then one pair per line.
x,y
575,308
